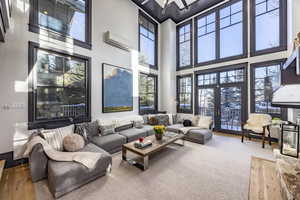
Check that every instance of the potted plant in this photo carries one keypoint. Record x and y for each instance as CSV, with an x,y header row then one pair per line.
x,y
159,131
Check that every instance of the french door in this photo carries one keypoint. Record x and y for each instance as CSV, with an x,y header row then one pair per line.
x,y
223,95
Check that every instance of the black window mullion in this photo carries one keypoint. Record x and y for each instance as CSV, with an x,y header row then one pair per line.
x,y
217,35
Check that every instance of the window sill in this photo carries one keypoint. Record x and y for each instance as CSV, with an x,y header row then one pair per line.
x,y
50,124
268,51
221,60
184,68
35,28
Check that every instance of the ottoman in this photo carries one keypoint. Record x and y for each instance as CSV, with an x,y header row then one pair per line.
x,y
200,136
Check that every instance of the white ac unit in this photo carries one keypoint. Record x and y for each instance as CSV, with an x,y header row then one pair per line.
x,y
116,41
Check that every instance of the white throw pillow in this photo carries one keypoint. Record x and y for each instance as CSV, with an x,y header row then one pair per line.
x,y
55,137
204,122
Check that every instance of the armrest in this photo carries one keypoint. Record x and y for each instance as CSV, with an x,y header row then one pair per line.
x,y
38,162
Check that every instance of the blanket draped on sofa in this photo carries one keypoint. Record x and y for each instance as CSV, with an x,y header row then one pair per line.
x,y
88,159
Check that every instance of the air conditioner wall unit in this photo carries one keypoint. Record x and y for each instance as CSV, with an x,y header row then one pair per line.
x,y
116,41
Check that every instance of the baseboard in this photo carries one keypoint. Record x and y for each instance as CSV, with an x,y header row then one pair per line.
x,y
10,162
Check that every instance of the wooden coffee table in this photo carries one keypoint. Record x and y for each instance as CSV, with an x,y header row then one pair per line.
x,y
145,153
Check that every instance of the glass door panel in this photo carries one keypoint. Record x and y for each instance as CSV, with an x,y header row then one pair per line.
x,y
231,108
206,102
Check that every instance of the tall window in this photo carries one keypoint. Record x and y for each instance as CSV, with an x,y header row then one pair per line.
x,y
268,26
184,45
147,41
70,18
206,38
148,93
266,79
231,30
222,34
59,87
185,94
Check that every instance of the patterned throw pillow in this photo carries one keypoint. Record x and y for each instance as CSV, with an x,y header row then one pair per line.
x,y
92,129
178,119
153,121
163,120
55,137
80,130
107,129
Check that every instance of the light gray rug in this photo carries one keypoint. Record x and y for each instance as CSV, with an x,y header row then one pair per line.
x,y
218,170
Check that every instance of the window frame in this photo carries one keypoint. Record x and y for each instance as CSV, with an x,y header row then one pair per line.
x,y
35,27
282,30
32,99
217,34
149,111
189,22
141,13
179,110
253,66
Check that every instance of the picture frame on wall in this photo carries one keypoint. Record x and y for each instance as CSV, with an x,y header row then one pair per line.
x,y
117,89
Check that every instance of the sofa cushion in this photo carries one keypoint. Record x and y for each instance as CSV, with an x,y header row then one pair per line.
x,y
175,128
124,127
138,124
148,129
107,129
134,134
109,142
64,177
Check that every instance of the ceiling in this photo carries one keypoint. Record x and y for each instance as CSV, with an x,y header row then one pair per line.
x,y
178,2
175,10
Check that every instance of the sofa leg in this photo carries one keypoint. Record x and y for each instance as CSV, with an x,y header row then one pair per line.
x,y
109,169
243,133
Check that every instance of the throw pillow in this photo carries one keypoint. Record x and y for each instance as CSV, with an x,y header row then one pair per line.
x,y
107,129
153,121
204,122
92,129
178,119
73,142
187,123
80,130
138,124
146,119
55,137
163,120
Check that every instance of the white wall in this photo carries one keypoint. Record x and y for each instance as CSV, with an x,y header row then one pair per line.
x,y
118,16
168,64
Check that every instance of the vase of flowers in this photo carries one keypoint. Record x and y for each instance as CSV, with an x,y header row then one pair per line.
x,y
159,132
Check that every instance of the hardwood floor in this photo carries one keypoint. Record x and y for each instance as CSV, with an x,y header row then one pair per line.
x,y
16,184
264,183
2,164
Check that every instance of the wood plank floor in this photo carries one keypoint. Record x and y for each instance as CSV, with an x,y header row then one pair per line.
x,y
16,184
2,164
264,183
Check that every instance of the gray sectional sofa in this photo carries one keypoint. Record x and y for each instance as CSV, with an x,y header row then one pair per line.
x,y
64,177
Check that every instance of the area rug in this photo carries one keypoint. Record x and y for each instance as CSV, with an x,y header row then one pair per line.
x,y
218,170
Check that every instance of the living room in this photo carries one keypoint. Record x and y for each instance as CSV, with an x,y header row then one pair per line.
x,y
149,99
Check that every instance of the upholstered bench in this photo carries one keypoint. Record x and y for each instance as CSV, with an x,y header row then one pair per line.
x,y
200,136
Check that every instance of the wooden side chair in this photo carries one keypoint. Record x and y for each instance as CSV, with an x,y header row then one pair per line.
x,y
257,124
